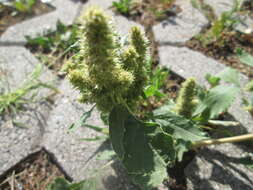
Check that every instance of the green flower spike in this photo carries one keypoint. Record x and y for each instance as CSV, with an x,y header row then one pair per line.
x,y
185,103
100,71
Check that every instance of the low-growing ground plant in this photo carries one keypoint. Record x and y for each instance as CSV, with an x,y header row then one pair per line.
x,y
122,6
53,48
11,102
150,10
114,77
19,6
219,25
228,37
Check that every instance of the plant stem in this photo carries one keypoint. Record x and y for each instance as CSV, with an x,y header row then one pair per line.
x,y
223,123
222,140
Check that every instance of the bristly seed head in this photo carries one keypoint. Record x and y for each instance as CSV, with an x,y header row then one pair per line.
x,y
185,103
103,71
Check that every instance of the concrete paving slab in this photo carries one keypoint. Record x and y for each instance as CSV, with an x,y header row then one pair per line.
x,y
19,63
220,6
182,27
122,24
219,167
18,142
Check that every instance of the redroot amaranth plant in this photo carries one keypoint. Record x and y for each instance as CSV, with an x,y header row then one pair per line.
x,y
114,76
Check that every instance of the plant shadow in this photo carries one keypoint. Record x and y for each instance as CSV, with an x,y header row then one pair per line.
x,y
112,175
220,167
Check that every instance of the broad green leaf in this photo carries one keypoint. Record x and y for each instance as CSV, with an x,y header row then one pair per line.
x,y
131,144
117,130
217,100
19,6
183,131
168,106
150,91
230,75
164,145
212,80
180,127
246,58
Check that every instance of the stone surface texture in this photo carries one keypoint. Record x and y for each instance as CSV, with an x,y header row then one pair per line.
x,y
220,6
218,168
180,28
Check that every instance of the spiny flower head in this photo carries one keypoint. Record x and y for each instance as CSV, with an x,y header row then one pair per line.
x,y
185,103
103,71
139,41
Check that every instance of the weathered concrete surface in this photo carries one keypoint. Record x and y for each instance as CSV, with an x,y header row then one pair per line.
x,y
121,23
18,142
19,63
220,6
214,168
218,167
182,27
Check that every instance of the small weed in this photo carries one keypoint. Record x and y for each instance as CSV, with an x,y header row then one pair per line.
x,y
53,48
24,6
154,10
219,26
14,101
122,6
19,6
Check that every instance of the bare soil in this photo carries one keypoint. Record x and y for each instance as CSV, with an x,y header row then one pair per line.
x,y
226,53
224,48
33,173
